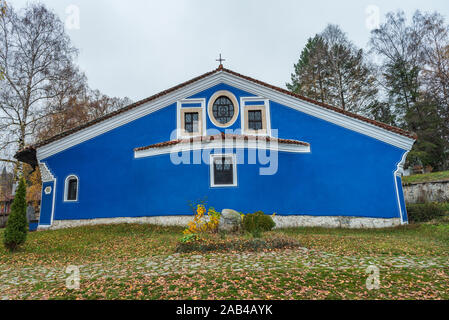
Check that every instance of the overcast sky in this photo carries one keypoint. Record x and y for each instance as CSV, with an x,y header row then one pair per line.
x,y
136,48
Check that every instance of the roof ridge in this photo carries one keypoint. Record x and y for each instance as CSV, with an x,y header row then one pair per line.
x,y
218,69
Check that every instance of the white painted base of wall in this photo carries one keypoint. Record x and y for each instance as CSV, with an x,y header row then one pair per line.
x,y
281,222
335,222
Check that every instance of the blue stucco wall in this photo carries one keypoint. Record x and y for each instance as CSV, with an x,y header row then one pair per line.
x,y
346,173
46,204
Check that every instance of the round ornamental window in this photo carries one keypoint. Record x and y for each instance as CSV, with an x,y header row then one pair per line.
x,y
223,109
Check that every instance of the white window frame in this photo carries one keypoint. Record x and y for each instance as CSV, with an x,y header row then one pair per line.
x,y
234,170
264,106
180,110
66,187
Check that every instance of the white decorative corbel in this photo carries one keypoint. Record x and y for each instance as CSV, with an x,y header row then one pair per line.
x,y
46,174
400,166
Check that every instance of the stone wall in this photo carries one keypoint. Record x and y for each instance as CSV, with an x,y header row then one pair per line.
x,y
427,192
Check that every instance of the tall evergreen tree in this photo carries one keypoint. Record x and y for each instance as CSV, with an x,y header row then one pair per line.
x,y
381,111
351,78
333,71
17,226
310,72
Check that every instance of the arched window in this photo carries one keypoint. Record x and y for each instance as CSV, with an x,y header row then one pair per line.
x,y
71,188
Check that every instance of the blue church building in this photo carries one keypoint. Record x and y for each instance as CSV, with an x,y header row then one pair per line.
x,y
242,143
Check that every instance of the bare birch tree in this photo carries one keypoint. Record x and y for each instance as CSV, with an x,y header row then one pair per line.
x,y
35,55
2,13
415,75
435,59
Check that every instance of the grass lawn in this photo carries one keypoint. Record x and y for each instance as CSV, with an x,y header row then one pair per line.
x,y
131,261
426,177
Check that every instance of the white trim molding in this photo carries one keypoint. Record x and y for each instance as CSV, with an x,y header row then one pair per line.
x,y
223,77
233,158
66,188
398,173
223,144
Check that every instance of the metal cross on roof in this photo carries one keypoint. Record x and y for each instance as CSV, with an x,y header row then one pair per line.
x,y
220,60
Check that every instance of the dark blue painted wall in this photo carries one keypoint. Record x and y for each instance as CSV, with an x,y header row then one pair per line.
x,y
46,204
346,173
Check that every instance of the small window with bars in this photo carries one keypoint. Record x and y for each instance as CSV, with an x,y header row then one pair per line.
x,y
191,122
223,171
255,120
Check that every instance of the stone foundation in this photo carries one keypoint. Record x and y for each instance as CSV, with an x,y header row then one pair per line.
x,y
281,222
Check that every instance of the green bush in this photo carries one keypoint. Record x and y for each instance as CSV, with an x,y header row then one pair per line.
x,y
257,222
17,226
422,212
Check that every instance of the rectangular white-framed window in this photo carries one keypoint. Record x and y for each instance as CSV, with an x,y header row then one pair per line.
x,y
191,118
191,122
223,170
255,119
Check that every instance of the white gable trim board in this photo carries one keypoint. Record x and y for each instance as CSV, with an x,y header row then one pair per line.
x,y
259,90
126,117
337,118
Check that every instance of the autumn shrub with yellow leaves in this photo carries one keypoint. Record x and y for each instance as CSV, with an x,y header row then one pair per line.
x,y
203,221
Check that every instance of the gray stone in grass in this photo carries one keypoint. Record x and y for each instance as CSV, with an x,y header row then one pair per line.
x,y
230,221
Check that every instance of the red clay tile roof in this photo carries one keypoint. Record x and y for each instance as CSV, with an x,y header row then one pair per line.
x,y
324,105
221,136
219,69
129,107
